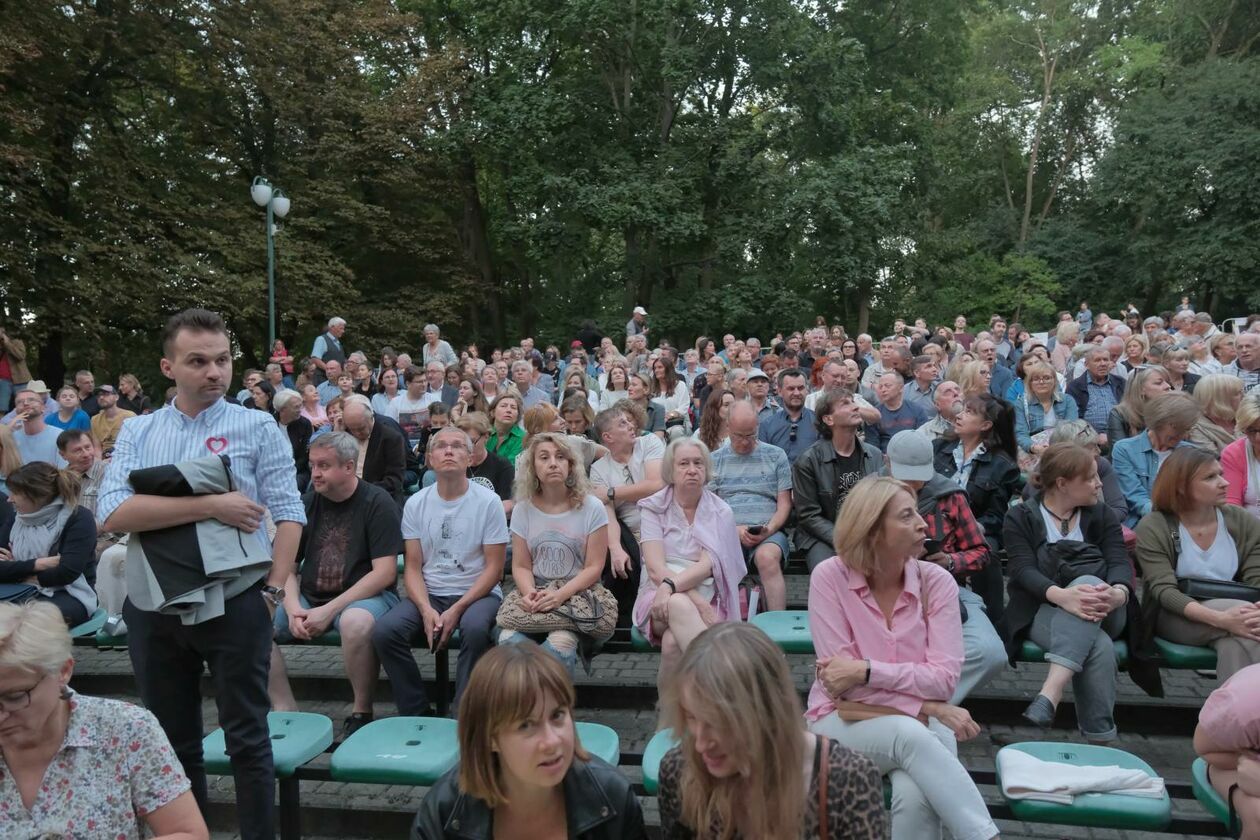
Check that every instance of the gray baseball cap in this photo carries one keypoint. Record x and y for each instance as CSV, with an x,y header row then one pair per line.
x,y
910,456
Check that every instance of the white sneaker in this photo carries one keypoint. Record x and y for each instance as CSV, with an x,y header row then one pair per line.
x,y
115,626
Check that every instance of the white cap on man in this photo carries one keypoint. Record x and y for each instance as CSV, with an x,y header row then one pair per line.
x,y
639,310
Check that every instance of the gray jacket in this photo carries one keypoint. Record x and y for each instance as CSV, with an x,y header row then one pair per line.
x,y
816,495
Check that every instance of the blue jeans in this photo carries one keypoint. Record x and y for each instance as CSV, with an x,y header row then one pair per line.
x,y
568,658
377,605
777,539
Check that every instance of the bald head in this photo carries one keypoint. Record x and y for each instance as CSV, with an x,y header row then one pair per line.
x,y
742,425
357,417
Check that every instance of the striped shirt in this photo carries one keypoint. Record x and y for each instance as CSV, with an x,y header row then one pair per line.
x,y
260,453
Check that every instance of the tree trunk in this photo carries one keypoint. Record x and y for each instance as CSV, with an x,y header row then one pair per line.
x,y
476,244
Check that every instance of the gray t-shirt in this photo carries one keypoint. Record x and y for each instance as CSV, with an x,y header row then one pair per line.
x,y
609,473
557,541
40,447
452,534
751,483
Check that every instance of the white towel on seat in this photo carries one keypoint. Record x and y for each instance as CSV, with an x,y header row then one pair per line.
x,y
1027,777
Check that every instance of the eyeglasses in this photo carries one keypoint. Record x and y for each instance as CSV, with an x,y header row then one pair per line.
x,y
15,701
1252,432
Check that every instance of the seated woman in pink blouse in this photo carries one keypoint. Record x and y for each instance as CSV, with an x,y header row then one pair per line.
x,y
1228,739
77,766
888,635
692,560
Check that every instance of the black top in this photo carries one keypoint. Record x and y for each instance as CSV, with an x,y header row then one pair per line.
x,y
495,473
993,481
341,539
76,546
386,459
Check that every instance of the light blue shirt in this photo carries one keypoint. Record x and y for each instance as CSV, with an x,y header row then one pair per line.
x,y
260,453
751,483
41,447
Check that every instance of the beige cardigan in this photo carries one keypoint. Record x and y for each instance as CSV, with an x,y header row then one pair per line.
x,y
1158,558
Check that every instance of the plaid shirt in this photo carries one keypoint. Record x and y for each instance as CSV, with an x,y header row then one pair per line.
x,y
962,537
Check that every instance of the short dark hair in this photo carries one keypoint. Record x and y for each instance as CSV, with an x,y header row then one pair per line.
x,y
792,371
439,409
195,320
70,436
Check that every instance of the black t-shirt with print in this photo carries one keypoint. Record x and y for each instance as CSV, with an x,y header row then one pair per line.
x,y
495,473
340,540
848,472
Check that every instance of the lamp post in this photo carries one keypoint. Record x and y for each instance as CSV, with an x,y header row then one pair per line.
x,y
277,204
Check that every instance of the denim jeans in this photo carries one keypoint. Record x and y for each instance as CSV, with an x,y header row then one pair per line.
x,y
984,655
1086,648
567,656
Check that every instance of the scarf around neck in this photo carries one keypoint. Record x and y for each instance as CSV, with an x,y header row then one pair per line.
x,y
34,534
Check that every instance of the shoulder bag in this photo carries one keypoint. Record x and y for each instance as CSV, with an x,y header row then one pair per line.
x,y
1210,589
592,612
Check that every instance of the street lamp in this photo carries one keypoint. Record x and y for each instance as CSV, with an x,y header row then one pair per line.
x,y
277,204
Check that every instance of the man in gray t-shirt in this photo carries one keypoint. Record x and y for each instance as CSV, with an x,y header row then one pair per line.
x,y
455,540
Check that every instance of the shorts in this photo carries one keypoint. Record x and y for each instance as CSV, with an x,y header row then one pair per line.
x,y
377,605
778,538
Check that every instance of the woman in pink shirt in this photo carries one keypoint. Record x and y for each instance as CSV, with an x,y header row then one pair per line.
x,y
1228,739
888,634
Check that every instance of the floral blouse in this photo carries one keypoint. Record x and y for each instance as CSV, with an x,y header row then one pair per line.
x,y
115,767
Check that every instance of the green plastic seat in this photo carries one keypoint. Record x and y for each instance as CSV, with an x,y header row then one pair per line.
x,y
1097,810
789,629
90,627
398,750
639,642
661,743
104,640
1207,795
1185,657
296,738
1031,652
600,740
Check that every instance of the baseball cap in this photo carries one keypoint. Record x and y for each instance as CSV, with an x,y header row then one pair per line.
x,y
105,389
910,456
639,310
757,373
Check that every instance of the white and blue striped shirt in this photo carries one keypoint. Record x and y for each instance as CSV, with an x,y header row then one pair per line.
x,y
261,456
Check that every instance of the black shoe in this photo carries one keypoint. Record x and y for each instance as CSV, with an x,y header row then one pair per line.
x,y
1040,712
354,723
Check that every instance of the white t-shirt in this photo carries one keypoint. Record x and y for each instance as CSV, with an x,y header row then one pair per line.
x,y
609,473
1219,561
1053,534
557,541
412,415
452,534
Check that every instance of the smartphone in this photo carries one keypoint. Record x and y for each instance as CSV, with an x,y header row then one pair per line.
x,y
932,547
756,530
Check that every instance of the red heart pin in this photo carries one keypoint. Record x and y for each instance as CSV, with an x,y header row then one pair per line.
x,y
216,444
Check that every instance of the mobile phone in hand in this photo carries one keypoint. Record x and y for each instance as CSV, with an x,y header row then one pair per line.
x,y
756,530
932,547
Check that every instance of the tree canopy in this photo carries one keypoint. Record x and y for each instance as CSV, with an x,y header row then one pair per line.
x,y
514,168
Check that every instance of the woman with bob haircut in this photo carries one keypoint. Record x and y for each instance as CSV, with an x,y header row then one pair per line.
x,y
69,761
559,539
522,771
1218,396
579,416
888,634
544,417
1073,620
1192,533
1169,419
692,559
52,544
746,766
1240,461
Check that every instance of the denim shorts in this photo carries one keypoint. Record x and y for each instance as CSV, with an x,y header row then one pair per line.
x,y
779,539
377,605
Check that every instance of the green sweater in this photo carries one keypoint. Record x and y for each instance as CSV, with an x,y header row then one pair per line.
x,y
1158,558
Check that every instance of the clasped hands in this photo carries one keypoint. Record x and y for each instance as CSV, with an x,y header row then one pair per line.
x,y
1090,601
42,564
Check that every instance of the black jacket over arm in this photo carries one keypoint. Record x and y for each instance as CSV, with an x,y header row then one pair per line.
x,y
386,459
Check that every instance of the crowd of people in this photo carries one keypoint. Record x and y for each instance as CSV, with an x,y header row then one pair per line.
x,y
1113,462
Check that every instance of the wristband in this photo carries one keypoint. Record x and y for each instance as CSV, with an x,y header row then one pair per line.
x,y
867,681
673,587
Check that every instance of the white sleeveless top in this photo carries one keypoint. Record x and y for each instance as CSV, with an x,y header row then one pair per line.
x,y
1219,561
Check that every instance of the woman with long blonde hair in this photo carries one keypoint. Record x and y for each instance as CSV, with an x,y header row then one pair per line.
x,y
1218,395
746,766
1128,419
972,377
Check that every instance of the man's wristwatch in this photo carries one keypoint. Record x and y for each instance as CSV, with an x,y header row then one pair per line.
x,y
274,594
612,494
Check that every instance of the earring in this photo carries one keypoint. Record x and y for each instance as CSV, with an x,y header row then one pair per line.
x,y
66,693
570,481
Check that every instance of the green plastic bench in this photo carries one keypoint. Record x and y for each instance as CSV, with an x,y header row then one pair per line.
x,y
601,741
1031,652
1097,810
90,627
398,750
296,738
1185,657
661,743
789,629
1208,796
639,642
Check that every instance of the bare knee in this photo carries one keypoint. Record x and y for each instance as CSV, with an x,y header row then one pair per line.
x,y
356,626
766,558
680,608
669,645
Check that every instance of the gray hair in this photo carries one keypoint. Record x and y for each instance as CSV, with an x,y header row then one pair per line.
x,y
435,362
431,328
667,462
521,364
33,637
449,430
1074,431
285,396
1154,319
336,322
344,444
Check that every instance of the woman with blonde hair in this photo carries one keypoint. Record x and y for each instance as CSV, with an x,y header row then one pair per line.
x,y
972,377
1128,419
1134,353
559,542
74,765
522,770
10,456
543,417
1042,405
1218,396
131,395
1222,349
888,635
1240,461
1065,338
1176,360
746,766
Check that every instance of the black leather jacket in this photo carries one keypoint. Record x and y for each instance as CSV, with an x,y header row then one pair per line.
x,y
599,805
814,492
993,481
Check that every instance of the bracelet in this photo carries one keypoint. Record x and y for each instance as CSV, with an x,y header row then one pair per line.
x,y
673,587
867,681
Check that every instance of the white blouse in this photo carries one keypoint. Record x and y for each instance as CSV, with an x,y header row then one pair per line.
x,y
1219,561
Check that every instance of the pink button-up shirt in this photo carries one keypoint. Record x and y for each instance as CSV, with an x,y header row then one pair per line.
x,y
916,657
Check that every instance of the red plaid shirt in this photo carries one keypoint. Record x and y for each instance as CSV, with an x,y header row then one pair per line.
x,y
962,537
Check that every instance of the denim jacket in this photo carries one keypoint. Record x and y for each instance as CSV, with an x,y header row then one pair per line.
x,y
1030,417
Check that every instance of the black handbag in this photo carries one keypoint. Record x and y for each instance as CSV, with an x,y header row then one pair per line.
x,y
1209,589
1066,560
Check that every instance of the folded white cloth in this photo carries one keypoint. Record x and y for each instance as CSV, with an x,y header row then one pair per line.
x,y
1027,777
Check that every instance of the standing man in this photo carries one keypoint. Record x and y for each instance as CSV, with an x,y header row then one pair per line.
x,y
14,372
86,383
36,440
109,420
792,429
166,654
327,348
455,540
435,349
637,325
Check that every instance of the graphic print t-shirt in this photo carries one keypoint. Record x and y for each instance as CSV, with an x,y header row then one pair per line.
x,y
557,541
452,534
340,540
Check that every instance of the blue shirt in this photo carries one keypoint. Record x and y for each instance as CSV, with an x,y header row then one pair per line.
x,y
260,452
909,416
792,436
327,391
751,483
1101,400
78,420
